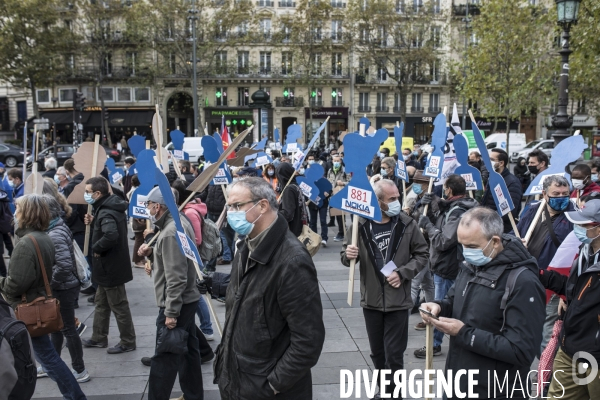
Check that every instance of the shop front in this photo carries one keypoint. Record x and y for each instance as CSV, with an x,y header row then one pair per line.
x,y
418,128
487,125
338,123
238,119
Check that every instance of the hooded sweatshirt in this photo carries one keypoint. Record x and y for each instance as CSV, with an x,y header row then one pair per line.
x,y
195,211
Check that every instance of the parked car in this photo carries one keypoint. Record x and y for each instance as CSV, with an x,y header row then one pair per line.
x,y
545,145
11,155
64,152
498,141
192,146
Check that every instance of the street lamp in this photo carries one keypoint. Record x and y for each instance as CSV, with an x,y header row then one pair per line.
x,y
567,16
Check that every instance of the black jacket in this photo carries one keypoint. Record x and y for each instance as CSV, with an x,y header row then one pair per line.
x,y
214,198
581,328
475,300
76,180
64,271
187,177
289,203
111,265
513,184
274,328
445,252
49,174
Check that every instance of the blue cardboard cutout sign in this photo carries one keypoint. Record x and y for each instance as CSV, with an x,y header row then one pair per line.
x,y
219,141
470,174
261,145
146,166
300,160
276,135
115,174
136,144
364,121
324,187
293,134
307,182
211,154
400,165
358,196
262,158
496,183
177,138
186,245
435,162
566,152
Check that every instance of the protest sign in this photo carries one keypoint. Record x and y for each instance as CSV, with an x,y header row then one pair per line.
x,y
307,182
211,155
34,182
435,162
300,159
178,138
115,174
471,175
294,133
146,163
400,165
324,186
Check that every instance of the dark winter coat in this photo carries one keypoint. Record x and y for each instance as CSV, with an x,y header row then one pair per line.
x,y
409,251
109,247
24,270
274,330
187,177
76,180
214,198
289,201
513,184
49,174
64,271
475,300
445,253
581,328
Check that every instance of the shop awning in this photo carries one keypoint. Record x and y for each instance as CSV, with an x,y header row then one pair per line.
x,y
133,118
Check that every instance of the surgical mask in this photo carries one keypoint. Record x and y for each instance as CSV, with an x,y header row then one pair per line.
x,y
578,184
337,164
56,179
125,169
152,218
417,189
271,172
533,169
301,172
581,234
496,166
381,155
415,153
393,208
11,183
476,256
311,162
88,198
558,203
406,157
384,172
594,177
238,222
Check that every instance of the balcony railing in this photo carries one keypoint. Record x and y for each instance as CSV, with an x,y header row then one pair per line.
x,y
416,109
338,104
287,4
364,109
433,110
289,102
382,109
461,9
338,4
265,3
361,79
397,109
265,71
316,102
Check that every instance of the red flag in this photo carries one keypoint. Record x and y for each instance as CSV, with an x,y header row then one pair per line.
x,y
225,138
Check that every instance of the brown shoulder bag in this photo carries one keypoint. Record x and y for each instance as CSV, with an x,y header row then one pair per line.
x,y
42,315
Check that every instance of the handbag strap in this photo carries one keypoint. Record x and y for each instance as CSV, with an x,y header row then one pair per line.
x,y
41,260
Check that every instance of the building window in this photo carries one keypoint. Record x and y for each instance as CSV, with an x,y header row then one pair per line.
x,y
434,72
436,37
436,6
267,90
242,29
265,62
417,5
243,62
106,94
434,102
89,92
286,63
43,96
69,25
142,94
66,95
363,102
220,34
243,96
288,93
316,97
336,64
382,102
287,3
336,29
338,4
417,39
400,6
317,32
286,31
316,64
381,74
221,96
382,36
107,64
397,102
336,97
221,62
173,63
70,62
131,61
416,103
363,67
265,28
124,94
104,29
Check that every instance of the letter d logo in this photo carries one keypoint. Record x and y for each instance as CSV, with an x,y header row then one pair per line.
x,y
581,362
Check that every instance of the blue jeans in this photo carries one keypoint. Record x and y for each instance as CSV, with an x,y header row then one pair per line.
x,y
56,368
322,212
441,289
204,316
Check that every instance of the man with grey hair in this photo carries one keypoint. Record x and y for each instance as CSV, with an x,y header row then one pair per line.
x,y
548,234
386,297
274,332
388,171
50,165
494,312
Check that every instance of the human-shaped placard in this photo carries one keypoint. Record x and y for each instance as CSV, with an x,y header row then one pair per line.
x,y
177,138
219,141
115,174
261,144
262,158
307,182
146,163
136,144
276,145
471,175
299,160
211,155
400,165
294,133
358,196
567,151
435,163
324,187
366,122
496,183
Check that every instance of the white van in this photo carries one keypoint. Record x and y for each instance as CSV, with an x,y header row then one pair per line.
x,y
498,141
192,146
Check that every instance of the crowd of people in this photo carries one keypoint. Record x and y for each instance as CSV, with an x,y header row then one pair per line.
x,y
480,283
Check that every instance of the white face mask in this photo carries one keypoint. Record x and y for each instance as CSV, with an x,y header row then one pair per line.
x,y
578,183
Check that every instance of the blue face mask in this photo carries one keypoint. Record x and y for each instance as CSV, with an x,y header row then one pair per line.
x,y
393,208
383,172
594,177
11,183
558,203
417,189
88,198
476,256
581,234
238,222
56,179
271,172
416,153
337,164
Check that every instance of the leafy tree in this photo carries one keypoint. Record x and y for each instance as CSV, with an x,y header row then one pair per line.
x,y
35,41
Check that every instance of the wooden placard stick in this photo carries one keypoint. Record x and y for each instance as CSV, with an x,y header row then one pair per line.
x,y
536,218
513,224
176,166
429,354
89,209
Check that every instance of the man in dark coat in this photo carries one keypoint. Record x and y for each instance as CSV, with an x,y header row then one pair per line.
x,y
186,171
274,332
289,200
111,268
499,159
483,335
50,164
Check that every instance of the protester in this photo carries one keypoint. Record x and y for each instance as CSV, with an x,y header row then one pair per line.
x,y
388,171
61,178
475,161
579,332
291,201
581,177
373,168
50,164
177,298
595,169
270,177
484,336
522,173
6,221
186,171
319,213
138,225
499,159
128,163
25,279
445,253
15,181
74,177
273,333
538,162
338,178
110,267
409,158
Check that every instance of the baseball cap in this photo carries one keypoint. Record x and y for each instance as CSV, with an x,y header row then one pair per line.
x,y
156,196
589,213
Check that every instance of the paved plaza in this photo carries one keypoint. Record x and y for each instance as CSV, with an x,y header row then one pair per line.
x,y
123,377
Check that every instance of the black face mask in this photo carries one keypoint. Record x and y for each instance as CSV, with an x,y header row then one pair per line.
x,y
533,169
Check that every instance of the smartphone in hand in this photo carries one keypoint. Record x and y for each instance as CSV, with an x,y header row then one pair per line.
x,y
424,311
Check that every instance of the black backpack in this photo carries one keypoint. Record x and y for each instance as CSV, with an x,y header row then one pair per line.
x,y
14,333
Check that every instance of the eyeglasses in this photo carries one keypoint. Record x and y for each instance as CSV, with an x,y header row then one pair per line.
x,y
237,206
